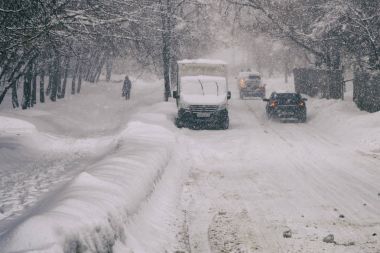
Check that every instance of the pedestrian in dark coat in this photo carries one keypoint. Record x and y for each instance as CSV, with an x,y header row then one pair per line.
x,y
127,85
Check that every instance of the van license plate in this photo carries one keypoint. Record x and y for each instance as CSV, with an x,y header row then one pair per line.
x,y
203,114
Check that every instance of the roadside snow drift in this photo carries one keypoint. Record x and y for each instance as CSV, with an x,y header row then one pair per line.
x,y
11,125
90,213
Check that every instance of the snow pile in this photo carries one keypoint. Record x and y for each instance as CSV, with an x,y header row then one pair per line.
x,y
345,122
33,162
15,126
44,148
32,138
91,212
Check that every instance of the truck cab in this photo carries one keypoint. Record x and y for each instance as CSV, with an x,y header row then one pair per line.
x,y
202,94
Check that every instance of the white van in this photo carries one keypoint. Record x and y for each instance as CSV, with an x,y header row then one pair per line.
x,y
202,94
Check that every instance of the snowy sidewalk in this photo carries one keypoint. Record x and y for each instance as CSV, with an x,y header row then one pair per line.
x,y
92,210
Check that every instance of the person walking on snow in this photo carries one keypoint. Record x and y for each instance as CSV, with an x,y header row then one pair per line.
x,y
127,85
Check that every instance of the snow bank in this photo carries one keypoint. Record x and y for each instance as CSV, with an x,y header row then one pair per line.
x,y
28,134
91,212
15,126
343,120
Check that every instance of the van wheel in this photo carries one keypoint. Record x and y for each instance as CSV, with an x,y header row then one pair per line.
x,y
224,124
178,123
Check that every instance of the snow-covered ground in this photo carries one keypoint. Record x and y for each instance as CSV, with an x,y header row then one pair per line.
x,y
96,173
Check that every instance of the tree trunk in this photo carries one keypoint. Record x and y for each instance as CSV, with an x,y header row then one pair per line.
x,y
166,59
15,103
92,69
74,77
14,82
89,67
173,71
34,87
12,79
63,91
109,65
26,100
59,82
336,62
79,79
4,70
50,84
56,79
99,69
167,27
42,86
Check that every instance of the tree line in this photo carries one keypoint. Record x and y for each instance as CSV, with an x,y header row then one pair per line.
x,y
50,46
336,35
334,32
51,40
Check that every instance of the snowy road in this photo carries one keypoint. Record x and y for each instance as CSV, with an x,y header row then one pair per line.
x,y
146,186
261,178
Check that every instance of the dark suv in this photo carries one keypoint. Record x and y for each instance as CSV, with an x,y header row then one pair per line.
x,y
286,105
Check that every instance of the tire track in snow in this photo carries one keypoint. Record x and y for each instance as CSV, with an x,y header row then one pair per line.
x,y
229,232
286,176
206,188
324,180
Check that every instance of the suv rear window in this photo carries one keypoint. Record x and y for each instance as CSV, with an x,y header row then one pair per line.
x,y
287,98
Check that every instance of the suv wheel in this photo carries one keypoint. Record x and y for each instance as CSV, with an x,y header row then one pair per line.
x,y
302,119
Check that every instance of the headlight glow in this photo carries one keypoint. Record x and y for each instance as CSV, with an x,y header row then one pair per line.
x,y
242,83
